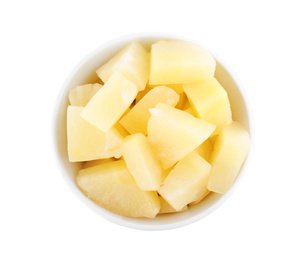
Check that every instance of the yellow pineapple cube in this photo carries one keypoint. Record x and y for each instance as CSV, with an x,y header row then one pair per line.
x,y
186,182
110,102
132,61
173,133
210,102
111,186
79,96
86,142
167,208
136,120
141,162
230,150
179,62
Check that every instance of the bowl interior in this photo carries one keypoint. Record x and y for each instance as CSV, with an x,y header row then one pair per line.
x,y
85,73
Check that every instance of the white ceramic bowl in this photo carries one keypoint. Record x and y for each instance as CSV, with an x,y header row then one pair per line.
x,y
85,73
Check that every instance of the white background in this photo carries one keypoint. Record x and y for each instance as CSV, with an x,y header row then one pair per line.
x,y
42,41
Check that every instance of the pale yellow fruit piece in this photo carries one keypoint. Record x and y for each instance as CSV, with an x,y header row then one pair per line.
x,y
86,142
205,149
80,95
179,62
136,120
186,182
173,133
97,162
210,102
167,208
200,198
110,102
142,162
111,186
132,61
230,150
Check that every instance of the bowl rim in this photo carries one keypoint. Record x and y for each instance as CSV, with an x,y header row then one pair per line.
x,y
114,218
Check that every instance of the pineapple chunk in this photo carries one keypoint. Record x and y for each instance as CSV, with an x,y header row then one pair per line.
x,y
86,142
111,186
132,61
210,102
79,96
230,150
205,149
179,62
97,162
167,208
136,120
110,102
173,133
141,162
186,182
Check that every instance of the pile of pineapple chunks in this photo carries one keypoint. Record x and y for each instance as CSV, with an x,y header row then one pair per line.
x,y
157,136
